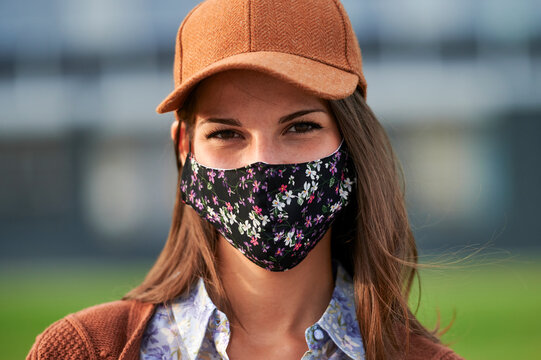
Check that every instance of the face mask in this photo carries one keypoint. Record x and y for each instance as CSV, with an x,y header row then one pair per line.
x,y
274,214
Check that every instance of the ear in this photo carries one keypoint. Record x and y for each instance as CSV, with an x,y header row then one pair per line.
x,y
183,144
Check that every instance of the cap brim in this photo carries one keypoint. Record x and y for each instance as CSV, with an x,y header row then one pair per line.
x,y
317,78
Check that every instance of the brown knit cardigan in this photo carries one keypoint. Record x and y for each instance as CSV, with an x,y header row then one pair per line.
x,y
114,331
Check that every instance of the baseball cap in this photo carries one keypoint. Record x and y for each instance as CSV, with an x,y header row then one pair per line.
x,y
307,43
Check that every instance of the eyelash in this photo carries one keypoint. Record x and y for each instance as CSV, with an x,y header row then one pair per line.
x,y
216,133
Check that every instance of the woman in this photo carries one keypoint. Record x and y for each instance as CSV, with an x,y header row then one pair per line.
x,y
290,237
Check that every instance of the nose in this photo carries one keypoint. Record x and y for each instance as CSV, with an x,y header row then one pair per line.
x,y
264,149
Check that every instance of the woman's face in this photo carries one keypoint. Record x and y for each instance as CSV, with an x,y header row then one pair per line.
x,y
242,117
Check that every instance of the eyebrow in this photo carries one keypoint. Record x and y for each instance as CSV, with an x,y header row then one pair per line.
x,y
235,122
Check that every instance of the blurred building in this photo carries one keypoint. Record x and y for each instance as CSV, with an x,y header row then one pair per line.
x,y
86,165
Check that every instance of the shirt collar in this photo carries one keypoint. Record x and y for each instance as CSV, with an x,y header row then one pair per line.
x,y
193,313
340,318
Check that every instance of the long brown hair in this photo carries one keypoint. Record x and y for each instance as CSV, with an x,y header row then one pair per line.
x,y
372,239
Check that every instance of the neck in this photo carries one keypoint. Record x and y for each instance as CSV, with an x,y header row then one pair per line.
x,y
266,302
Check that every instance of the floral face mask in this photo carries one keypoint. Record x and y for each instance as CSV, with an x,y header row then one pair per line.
x,y
274,214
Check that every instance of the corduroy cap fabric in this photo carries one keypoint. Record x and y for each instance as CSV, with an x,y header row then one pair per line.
x,y
307,43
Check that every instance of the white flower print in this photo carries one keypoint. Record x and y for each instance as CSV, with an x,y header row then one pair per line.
x,y
232,217
245,227
311,172
264,219
290,238
252,207
348,183
288,195
344,194
335,207
253,216
306,191
282,216
291,180
278,205
223,215
242,229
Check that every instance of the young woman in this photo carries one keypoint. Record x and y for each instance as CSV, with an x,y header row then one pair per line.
x,y
290,237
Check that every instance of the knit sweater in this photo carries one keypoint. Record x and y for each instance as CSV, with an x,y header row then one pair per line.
x,y
114,331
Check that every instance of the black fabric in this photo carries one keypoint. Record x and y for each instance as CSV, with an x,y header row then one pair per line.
x,y
272,213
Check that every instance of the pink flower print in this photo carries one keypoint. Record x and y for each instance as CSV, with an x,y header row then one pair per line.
x,y
215,199
308,221
281,173
192,195
257,209
319,218
254,240
229,191
250,173
333,168
283,188
297,246
311,198
251,199
211,175
221,174
280,251
256,185
243,182
229,207
199,204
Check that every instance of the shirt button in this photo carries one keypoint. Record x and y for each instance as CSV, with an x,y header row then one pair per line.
x,y
318,334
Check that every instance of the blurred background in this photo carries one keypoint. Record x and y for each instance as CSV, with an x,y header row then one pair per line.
x,y
87,176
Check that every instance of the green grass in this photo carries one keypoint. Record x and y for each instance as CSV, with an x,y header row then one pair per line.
x,y
35,295
498,306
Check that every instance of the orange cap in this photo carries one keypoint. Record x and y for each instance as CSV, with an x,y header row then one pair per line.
x,y
307,43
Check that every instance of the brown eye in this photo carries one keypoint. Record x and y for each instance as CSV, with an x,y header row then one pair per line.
x,y
303,127
222,134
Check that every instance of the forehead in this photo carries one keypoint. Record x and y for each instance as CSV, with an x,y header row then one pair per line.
x,y
246,90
